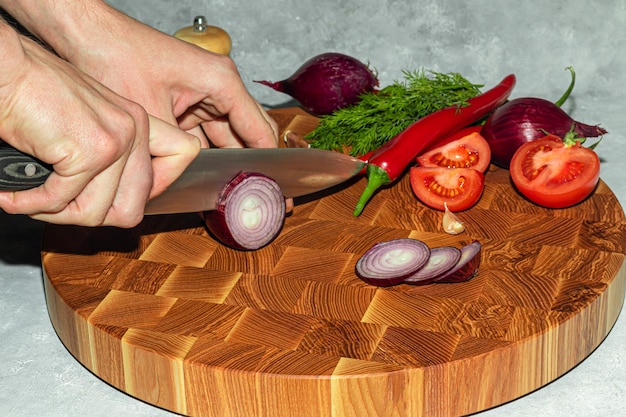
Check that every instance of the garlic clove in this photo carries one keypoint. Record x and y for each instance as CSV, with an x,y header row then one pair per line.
x,y
451,222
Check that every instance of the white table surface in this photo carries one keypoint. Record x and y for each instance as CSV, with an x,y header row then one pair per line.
x,y
482,40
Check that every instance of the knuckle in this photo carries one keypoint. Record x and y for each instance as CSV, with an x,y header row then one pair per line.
x,y
91,222
226,62
125,220
117,138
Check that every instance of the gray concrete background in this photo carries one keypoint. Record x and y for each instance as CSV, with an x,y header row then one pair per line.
x,y
483,40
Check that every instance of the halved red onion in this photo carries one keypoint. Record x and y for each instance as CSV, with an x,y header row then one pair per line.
x,y
250,212
389,263
441,260
467,266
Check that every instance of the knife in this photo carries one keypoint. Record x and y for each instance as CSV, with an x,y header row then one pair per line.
x,y
297,171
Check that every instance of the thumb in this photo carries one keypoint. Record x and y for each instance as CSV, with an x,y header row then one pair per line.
x,y
172,150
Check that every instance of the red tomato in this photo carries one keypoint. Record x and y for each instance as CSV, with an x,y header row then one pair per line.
x,y
553,174
459,188
456,135
468,151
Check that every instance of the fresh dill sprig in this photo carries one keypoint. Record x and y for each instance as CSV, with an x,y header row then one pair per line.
x,y
381,115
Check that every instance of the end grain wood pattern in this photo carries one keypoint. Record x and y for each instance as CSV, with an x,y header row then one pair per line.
x,y
169,315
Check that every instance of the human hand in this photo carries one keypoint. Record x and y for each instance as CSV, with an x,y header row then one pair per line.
x,y
174,80
99,143
199,90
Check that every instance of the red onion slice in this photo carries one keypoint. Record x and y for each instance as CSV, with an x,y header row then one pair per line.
x,y
389,263
466,268
441,260
250,212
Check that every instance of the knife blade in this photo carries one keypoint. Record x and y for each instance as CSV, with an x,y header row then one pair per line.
x,y
298,172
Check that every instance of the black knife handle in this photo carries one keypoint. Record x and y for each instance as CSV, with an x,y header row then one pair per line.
x,y
20,171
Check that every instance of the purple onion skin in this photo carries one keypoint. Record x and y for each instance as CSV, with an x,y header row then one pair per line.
x,y
327,82
216,220
467,267
525,119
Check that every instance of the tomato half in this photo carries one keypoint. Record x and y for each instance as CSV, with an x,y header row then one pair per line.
x,y
459,188
553,174
468,151
458,134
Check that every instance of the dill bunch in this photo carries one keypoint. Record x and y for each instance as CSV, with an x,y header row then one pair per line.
x,y
381,115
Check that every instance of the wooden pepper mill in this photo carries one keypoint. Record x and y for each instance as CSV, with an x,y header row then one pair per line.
x,y
209,37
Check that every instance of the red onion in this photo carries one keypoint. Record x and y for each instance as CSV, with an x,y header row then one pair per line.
x,y
442,259
527,118
327,82
467,266
389,263
411,261
250,212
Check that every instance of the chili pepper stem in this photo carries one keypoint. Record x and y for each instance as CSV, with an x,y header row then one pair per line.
x,y
376,178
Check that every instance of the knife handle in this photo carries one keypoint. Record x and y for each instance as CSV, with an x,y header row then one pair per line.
x,y
20,171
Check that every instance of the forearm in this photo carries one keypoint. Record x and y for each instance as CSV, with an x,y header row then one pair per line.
x,y
65,25
11,55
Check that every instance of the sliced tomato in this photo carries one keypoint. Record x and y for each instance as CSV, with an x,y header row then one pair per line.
x,y
458,134
459,188
468,151
555,175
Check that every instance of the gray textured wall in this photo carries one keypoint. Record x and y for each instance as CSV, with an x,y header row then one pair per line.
x,y
482,39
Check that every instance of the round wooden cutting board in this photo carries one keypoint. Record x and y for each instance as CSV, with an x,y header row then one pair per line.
x,y
167,314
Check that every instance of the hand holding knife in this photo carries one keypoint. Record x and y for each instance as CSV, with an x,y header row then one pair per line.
x,y
298,171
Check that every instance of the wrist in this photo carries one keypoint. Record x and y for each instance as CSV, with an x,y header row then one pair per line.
x,y
6,55
64,25
11,54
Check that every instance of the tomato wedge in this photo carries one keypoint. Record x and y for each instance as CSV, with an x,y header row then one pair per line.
x,y
459,188
554,173
468,151
456,135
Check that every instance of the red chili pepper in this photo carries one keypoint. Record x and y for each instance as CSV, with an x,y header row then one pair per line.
x,y
391,159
